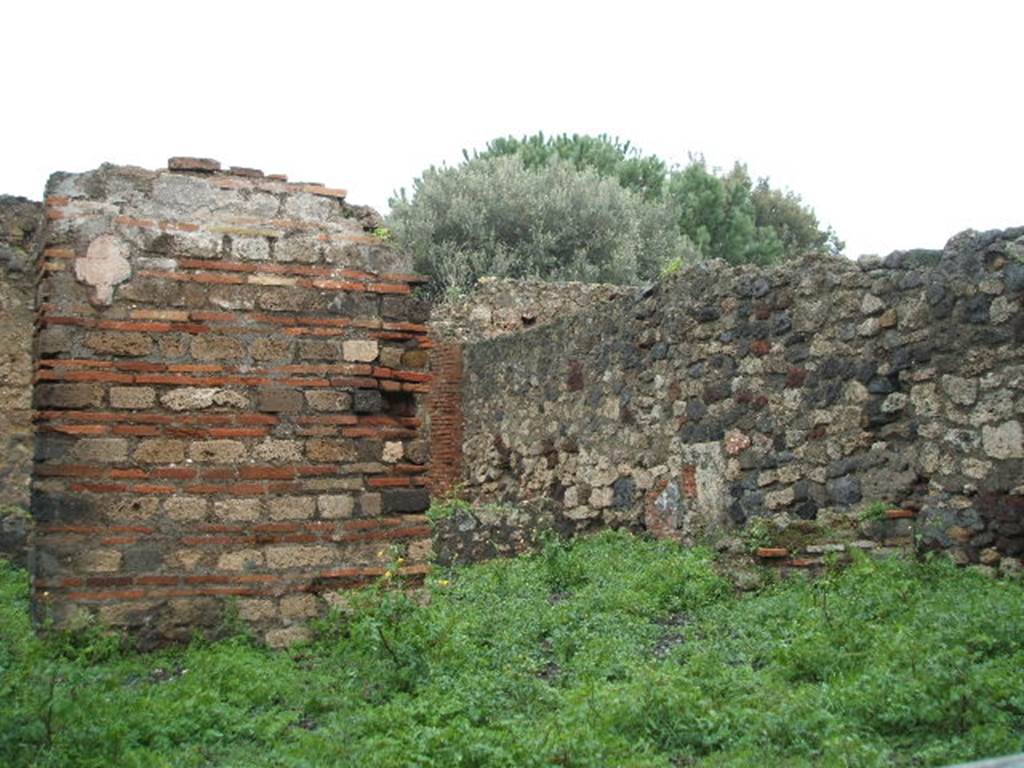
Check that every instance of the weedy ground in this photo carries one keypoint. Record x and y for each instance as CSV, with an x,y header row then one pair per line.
x,y
610,651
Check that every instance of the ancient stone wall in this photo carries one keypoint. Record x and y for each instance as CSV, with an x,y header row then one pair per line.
x,y
808,391
230,387
20,220
500,306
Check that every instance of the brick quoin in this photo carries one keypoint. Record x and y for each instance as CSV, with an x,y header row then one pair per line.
x,y
446,422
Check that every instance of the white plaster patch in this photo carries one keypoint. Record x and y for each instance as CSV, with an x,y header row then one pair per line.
x,y
105,265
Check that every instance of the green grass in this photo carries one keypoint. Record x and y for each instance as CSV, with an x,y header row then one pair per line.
x,y
612,651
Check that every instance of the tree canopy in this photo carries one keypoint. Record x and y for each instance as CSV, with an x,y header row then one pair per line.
x,y
495,216
593,208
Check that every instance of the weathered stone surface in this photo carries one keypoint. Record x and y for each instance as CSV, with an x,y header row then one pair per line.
x,y
76,396
210,347
199,398
278,451
892,388
119,344
160,451
329,450
1003,441
279,399
216,451
292,507
273,349
360,351
960,390
329,400
335,506
136,398
238,510
367,401
399,500
202,164
286,637
100,450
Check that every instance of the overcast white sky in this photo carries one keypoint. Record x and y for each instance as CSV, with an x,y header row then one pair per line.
x,y
899,122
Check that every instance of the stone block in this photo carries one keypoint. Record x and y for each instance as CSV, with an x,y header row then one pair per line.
x,y
117,344
335,506
279,400
328,400
278,451
160,451
297,556
186,508
98,561
101,450
273,349
211,347
391,356
298,607
401,500
240,560
392,452
257,610
1004,441
329,451
415,358
136,398
195,164
367,401
54,340
216,451
370,504
291,507
286,637
200,398
238,510
73,396
360,351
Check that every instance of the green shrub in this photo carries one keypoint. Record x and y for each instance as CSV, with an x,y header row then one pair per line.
x,y
494,216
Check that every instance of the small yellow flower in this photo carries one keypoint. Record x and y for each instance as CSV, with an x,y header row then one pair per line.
x,y
443,582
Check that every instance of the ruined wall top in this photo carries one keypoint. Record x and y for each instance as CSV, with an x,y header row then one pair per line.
x,y
500,306
260,218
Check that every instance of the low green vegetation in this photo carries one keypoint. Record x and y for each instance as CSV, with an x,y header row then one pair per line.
x,y
612,651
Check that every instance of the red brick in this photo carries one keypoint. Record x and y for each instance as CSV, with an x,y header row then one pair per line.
x,y
153,489
114,541
127,474
69,470
266,473
354,382
99,487
388,288
387,482
337,285
900,514
174,473
157,581
238,432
